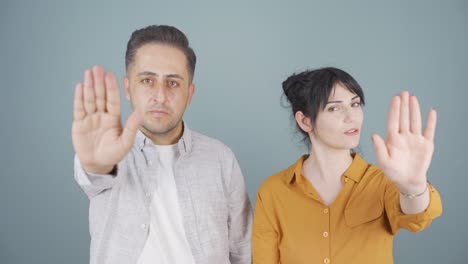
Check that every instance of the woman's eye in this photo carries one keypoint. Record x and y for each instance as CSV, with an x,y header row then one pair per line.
x,y
356,104
332,109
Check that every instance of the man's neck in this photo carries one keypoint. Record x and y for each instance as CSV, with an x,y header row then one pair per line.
x,y
169,138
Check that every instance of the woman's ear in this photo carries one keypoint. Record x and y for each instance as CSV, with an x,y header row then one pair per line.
x,y
304,122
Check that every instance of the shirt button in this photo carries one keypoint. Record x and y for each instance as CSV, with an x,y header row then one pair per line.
x,y
346,179
325,234
326,260
143,226
325,211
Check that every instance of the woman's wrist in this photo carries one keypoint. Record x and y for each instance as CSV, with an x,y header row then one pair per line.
x,y
413,194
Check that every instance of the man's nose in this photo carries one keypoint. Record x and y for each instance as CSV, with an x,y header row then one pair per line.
x,y
160,93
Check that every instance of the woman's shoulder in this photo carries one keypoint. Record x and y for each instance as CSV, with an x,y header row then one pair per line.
x,y
281,179
371,173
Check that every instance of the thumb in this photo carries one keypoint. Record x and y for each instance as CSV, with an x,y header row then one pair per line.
x,y
380,149
131,128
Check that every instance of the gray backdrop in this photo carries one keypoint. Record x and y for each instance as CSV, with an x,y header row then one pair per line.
x,y
245,50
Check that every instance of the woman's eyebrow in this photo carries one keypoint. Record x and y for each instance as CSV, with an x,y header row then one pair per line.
x,y
331,102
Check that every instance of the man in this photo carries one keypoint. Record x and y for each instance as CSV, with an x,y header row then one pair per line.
x,y
159,192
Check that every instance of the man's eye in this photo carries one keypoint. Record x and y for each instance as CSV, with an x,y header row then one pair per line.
x,y
147,81
173,84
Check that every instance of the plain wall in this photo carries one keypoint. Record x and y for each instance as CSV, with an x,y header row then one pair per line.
x,y
245,50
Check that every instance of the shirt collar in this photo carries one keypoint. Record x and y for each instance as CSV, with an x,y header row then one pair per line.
x,y
296,169
354,172
357,168
184,144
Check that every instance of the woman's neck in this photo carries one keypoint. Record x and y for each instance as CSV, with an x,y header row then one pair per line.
x,y
326,166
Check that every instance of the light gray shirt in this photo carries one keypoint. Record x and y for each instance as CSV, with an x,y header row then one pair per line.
x,y
215,207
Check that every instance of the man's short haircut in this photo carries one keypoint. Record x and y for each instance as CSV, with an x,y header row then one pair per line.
x,y
160,34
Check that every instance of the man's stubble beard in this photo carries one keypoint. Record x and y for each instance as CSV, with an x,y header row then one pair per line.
x,y
171,126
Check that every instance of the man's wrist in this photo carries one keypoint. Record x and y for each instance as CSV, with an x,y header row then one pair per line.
x,y
107,170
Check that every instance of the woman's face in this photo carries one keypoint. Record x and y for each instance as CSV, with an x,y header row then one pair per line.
x,y
338,126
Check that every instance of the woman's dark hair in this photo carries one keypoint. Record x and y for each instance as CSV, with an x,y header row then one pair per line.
x,y
162,34
309,91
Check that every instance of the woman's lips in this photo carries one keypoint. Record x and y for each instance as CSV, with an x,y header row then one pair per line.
x,y
352,132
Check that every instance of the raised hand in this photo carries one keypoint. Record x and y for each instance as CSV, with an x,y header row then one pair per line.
x,y
99,140
406,153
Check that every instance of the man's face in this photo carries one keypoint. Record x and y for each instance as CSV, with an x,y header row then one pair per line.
x,y
158,85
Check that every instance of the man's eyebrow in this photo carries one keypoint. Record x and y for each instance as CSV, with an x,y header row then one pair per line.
x,y
174,75
147,73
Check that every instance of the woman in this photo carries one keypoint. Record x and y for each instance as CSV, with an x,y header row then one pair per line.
x,y
331,206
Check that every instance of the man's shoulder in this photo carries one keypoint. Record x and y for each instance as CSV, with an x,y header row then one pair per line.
x,y
201,142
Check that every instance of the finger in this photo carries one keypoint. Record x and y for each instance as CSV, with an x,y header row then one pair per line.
x,y
404,112
88,93
131,128
380,149
429,131
113,96
78,108
415,115
98,75
393,116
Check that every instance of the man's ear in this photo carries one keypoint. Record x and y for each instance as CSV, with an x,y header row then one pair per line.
x,y
126,85
190,94
304,122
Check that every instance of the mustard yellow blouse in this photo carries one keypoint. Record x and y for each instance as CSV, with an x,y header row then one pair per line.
x,y
293,225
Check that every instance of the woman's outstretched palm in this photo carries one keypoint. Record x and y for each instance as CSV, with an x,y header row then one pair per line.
x,y
406,153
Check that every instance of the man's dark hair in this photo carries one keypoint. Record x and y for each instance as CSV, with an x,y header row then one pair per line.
x,y
309,91
160,34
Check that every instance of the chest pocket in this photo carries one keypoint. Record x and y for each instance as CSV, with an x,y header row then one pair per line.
x,y
363,208
362,214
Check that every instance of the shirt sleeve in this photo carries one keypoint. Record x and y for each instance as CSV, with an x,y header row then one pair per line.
x,y
410,222
93,184
240,213
264,235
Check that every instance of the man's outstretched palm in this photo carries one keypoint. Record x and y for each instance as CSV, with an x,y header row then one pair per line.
x,y
98,137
